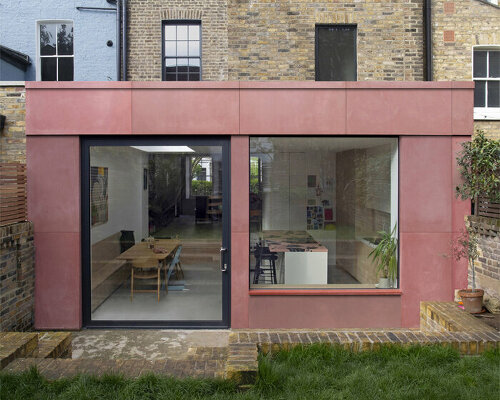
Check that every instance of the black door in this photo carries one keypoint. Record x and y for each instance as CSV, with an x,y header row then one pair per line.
x,y
155,232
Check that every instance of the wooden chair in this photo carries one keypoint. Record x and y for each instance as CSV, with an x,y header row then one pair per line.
x,y
146,269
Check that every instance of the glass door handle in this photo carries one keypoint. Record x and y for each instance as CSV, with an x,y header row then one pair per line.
x,y
223,265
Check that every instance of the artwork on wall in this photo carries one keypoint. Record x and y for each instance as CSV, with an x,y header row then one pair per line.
x,y
311,181
315,217
98,195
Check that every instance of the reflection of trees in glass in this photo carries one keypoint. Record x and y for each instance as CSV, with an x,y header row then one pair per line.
x,y
165,188
47,40
65,39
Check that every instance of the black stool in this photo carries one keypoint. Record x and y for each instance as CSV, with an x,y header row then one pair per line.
x,y
265,265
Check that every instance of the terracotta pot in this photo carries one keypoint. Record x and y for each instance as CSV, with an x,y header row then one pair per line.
x,y
473,300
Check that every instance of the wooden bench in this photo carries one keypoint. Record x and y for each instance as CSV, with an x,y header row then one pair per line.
x,y
108,273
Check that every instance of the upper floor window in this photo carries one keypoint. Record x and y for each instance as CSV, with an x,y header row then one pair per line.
x,y
336,53
486,75
55,51
181,51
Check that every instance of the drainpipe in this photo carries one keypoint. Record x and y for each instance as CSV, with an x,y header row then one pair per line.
x,y
428,39
124,39
118,44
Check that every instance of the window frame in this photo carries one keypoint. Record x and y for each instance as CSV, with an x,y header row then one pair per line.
x,y
56,56
176,22
334,291
316,48
485,113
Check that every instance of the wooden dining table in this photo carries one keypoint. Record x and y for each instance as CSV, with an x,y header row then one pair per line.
x,y
140,253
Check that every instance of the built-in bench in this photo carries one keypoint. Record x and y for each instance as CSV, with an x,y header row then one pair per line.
x,y
108,273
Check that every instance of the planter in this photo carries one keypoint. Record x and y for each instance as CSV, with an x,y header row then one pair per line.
x,y
473,300
384,283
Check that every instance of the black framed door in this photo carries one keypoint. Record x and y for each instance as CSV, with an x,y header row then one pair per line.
x,y
155,232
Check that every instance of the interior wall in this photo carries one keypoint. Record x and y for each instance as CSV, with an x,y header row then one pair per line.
x,y
285,187
127,199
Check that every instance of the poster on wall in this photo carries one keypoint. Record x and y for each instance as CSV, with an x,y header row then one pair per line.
x,y
98,195
315,218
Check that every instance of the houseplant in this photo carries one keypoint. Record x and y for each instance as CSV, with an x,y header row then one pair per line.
x,y
385,256
466,246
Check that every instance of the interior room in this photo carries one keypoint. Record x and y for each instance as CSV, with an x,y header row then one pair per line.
x,y
318,207
156,231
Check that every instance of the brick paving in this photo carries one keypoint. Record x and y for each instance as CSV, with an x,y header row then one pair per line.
x,y
64,368
230,354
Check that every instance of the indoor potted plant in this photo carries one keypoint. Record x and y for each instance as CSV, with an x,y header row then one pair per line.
x,y
385,256
466,246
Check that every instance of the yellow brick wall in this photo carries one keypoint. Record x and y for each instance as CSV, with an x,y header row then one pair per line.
x,y
457,27
13,138
275,40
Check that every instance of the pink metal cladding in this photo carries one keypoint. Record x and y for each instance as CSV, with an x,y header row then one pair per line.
x,y
430,118
53,165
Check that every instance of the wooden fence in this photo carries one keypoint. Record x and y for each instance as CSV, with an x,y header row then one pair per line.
x,y
12,193
488,209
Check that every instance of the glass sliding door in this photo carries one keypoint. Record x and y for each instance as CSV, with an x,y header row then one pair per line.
x,y
155,217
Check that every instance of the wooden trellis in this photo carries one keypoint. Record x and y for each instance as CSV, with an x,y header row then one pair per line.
x,y
12,193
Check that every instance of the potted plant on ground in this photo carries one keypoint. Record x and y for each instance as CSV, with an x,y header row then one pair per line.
x,y
479,165
466,246
385,256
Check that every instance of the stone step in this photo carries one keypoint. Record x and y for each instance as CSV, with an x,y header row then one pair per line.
x,y
53,345
55,368
16,344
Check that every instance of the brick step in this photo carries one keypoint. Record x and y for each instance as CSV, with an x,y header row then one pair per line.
x,y
447,316
207,353
467,343
16,344
55,368
53,345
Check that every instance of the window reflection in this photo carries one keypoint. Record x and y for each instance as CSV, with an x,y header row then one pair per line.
x,y
317,207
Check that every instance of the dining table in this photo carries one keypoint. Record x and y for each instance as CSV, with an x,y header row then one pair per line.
x,y
141,253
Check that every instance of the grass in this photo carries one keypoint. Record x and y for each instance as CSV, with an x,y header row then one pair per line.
x,y
316,372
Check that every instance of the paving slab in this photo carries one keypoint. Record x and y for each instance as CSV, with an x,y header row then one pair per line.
x,y
145,344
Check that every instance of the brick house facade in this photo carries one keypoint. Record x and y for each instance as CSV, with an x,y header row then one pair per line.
x,y
458,26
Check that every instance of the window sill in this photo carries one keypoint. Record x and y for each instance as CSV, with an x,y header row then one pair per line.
x,y
325,292
484,114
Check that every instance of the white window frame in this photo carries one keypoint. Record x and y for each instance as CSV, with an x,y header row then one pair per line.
x,y
38,56
485,113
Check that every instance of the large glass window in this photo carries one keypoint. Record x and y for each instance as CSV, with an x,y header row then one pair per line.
x,y
156,223
56,51
336,53
486,73
318,208
182,51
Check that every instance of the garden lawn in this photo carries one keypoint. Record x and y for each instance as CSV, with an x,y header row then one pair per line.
x,y
314,372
